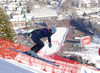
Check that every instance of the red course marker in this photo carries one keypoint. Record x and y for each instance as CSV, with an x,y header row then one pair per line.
x,y
99,51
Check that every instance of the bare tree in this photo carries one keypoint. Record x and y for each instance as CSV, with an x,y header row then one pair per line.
x,y
98,3
42,3
29,6
7,1
66,5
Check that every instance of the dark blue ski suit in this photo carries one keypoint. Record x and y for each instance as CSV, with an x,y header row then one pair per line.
x,y
37,35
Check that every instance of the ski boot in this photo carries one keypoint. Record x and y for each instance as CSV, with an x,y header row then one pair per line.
x,y
32,53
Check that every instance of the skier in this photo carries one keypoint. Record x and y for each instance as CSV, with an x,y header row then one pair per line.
x,y
36,36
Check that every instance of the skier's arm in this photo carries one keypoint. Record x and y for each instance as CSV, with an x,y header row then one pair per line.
x,y
32,32
49,38
29,33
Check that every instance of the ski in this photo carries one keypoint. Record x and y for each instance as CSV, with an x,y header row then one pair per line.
x,y
42,59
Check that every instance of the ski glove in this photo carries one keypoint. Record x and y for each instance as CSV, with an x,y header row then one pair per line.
x,y
28,34
50,45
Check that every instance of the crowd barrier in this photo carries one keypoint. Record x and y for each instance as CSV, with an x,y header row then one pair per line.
x,y
65,65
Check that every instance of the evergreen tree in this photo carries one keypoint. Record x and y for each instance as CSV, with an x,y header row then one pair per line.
x,y
6,28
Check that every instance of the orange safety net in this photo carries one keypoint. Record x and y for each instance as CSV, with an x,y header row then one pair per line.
x,y
6,53
65,65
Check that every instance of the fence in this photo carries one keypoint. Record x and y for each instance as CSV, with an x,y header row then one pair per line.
x,y
65,65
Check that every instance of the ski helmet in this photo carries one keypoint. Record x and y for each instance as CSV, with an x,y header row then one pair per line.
x,y
53,29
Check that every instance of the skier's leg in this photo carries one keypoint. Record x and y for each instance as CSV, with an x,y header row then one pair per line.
x,y
39,44
32,53
34,47
35,37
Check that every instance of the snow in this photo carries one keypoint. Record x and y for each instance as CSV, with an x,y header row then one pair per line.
x,y
96,39
11,66
92,51
88,70
49,13
17,18
58,38
21,31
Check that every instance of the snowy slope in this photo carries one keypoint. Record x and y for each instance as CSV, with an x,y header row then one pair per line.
x,y
91,53
11,66
57,40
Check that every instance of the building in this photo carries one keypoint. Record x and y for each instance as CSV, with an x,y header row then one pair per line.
x,y
43,15
18,19
88,2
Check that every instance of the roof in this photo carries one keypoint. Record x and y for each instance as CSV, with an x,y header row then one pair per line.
x,y
17,18
41,14
36,14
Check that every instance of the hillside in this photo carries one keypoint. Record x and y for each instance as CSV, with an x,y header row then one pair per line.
x,y
69,44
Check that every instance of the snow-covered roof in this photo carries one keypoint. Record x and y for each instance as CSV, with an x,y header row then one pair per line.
x,y
53,2
79,12
8,12
21,17
87,11
37,7
98,23
29,15
17,18
40,14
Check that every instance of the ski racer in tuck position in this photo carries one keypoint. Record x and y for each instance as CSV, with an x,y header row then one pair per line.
x,y
36,36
